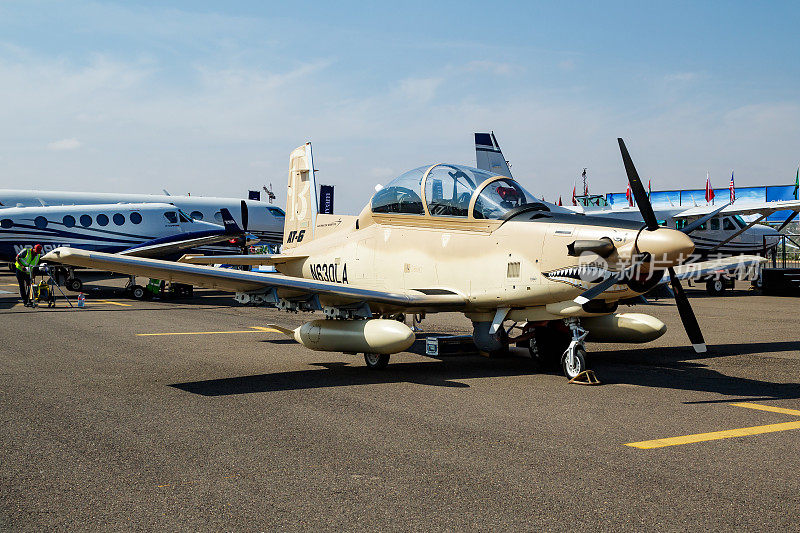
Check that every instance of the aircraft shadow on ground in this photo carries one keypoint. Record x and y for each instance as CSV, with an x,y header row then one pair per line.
x,y
440,373
671,368
677,368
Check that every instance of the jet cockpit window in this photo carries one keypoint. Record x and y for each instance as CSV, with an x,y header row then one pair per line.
x,y
499,197
171,216
449,189
401,195
184,217
739,221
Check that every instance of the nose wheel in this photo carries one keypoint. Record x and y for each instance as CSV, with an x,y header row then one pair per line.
x,y
573,361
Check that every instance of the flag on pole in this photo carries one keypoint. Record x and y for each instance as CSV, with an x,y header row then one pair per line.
x,y
629,195
709,189
649,189
733,189
559,201
574,201
796,183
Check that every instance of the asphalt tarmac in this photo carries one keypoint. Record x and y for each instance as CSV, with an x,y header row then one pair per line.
x,y
226,426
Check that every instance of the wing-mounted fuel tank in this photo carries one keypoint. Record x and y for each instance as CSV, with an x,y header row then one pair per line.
x,y
368,336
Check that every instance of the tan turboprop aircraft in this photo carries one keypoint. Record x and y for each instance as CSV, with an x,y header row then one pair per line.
x,y
448,238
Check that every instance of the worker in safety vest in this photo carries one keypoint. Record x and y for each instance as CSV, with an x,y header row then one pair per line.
x,y
26,261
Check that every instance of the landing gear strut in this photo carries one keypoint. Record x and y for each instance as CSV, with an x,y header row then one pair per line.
x,y
573,361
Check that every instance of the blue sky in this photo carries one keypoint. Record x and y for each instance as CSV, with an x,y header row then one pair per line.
x,y
211,97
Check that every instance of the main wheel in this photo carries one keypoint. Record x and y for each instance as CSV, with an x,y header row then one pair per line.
x,y
715,287
376,360
577,365
74,284
138,292
547,346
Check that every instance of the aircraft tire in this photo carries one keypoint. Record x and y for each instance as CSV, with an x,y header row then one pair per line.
x,y
376,361
715,287
74,284
580,363
547,348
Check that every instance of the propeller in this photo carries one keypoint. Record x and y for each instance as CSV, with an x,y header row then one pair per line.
x,y
651,225
687,315
244,216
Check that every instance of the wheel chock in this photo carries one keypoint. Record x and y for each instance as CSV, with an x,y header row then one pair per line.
x,y
586,377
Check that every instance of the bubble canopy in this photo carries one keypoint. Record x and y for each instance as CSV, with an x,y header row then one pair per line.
x,y
446,190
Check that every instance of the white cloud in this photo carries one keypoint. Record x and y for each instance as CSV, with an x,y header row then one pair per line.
x,y
64,144
492,67
420,90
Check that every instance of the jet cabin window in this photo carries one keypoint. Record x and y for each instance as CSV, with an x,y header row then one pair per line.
x,y
449,188
715,224
727,225
401,195
184,217
499,197
171,216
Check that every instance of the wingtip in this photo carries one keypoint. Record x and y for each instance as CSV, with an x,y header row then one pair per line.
x,y
700,348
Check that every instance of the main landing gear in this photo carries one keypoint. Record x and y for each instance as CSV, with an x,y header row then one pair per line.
x,y
558,344
376,361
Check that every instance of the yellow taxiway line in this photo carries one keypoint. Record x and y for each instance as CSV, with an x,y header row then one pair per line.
x,y
87,302
254,329
725,434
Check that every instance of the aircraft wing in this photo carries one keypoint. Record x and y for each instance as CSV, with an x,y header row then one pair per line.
x,y
749,208
738,266
242,281
251,259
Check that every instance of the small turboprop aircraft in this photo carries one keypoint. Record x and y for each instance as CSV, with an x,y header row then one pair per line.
x,y
447,237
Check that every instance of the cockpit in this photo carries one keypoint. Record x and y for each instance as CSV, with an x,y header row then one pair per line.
x,y
446,190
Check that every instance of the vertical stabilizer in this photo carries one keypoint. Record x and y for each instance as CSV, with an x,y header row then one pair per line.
x,y
301,198
488,155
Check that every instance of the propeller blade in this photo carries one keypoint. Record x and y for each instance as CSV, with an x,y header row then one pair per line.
x,y
616,277
687,315
595,291
638,189
244,216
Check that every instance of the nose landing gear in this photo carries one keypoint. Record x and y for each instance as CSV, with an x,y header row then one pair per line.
x,y
573,360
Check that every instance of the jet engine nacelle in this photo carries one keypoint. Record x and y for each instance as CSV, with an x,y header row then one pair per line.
x,y
623,327
367,336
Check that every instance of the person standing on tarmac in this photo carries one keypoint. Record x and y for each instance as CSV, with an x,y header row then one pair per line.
x,y
26,261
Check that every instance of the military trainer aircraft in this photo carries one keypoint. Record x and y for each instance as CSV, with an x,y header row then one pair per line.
x,y
448,237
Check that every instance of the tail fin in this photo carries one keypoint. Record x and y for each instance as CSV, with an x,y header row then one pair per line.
x,y
301,198
230,224
489,156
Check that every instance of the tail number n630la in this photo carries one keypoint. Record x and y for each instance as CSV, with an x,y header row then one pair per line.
x,y
328,272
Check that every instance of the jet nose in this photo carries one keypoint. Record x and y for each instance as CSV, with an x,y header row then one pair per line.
x,y
667,247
